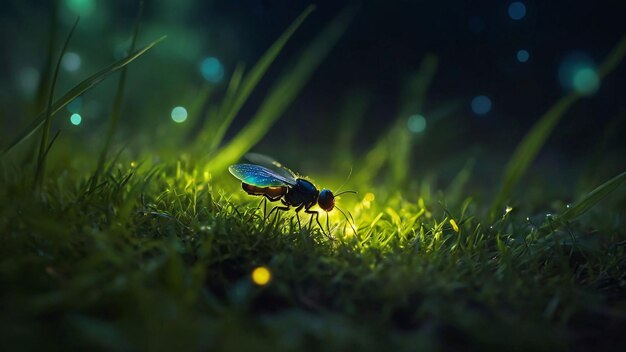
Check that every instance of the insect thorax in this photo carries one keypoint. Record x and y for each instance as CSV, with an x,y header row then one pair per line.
x,y
304,192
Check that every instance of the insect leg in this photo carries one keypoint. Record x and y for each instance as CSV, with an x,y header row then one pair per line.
x,y
328,222
286,207
265,198
317,218
264,202
298,216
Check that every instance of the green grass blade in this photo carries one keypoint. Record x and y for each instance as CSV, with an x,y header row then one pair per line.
x,y
43,146
412,103
79,89
350,118
215,122
46,72
281,95
117,103
592,198
529,147
394,146
253,78
198,115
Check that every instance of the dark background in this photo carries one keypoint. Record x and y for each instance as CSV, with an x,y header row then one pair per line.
x,y
475,41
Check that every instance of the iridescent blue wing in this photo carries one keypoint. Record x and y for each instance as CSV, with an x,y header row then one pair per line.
x,y
271,164
260,176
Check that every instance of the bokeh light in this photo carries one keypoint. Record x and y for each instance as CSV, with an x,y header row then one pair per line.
x,y
212,69
481,105
517,10
81,8
586,80
76,119
416,123
28,80
179,114
578,72
523,55
71,62
261,276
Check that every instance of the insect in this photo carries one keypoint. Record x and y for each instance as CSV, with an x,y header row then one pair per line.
x,y
282,184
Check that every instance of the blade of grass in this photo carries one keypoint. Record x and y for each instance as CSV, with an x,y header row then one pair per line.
x,y
197,114
46,71
413,103
585,203
76,91
282,94
589,200
354,109
117,104
44,82
253,78
394,145
534,140
214,117
43,145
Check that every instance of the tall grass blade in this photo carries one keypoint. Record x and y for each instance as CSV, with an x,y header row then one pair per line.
x,y
413,103
43,145
282,94
46,72
252,79
351,115
197,114
394,146
534,140
216,122
592,198
44,83
79,89
117,104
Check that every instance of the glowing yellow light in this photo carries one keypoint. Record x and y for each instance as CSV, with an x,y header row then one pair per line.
x,y
508,209
261,276
350,231
455,227
133,164
369,197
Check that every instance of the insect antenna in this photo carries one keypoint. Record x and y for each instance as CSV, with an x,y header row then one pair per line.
x,y
347,220
347,179
340,193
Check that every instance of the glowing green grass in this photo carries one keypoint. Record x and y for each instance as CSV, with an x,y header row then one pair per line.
x,y
161,244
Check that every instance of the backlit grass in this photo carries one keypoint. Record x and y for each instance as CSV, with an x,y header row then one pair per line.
x,y
160,256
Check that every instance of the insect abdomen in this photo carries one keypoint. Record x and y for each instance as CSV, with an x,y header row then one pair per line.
x,y
271,192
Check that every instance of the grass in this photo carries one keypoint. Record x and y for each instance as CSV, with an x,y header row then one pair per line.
x,y
158,255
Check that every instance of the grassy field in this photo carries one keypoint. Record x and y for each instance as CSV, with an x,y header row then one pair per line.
x,y
154,247
159,257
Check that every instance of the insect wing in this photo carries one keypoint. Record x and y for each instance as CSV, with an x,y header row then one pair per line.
x,y
271,164
259,176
